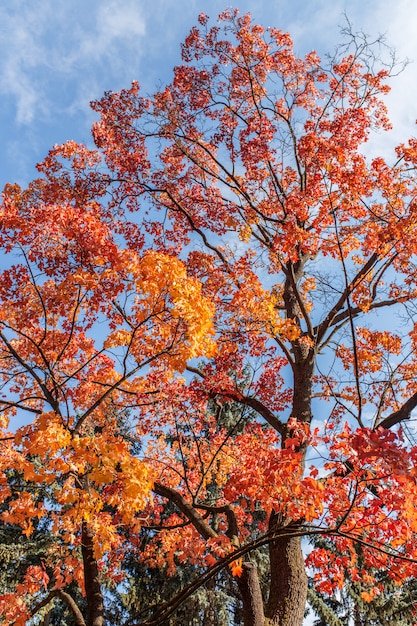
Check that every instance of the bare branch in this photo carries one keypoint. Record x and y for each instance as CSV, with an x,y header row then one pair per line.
x,y
67,599
189,511
402,414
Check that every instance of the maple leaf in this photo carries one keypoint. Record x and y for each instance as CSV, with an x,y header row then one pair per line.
x,y
236,567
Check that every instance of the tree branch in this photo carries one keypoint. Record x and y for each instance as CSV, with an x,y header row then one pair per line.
x,y
264,412
67,599
402,414
189,511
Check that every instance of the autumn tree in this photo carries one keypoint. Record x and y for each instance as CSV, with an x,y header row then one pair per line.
x,y
242,193
84,319
250,166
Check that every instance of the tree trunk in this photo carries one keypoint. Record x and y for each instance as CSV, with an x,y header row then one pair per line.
x,y
250,591
95,610
303,389
288,587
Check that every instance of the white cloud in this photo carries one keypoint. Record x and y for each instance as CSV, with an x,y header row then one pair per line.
x,y
117,27
56,56
120,21
44,46
400,28
21,53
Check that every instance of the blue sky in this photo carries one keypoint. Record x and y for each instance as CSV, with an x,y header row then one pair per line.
x,y
57,55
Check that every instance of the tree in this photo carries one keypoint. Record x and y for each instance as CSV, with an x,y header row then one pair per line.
x,y
241,192
83,319
158,580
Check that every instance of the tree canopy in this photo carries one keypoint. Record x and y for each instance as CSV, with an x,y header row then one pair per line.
x,y
208,339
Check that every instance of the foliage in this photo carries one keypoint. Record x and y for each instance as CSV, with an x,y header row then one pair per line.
x,y
232,217
150,586
69,280
395,604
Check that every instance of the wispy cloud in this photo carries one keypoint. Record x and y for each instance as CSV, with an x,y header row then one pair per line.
x,y
56,56
48,45
22,53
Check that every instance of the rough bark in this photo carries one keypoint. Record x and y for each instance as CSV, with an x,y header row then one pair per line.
x,y
288,587
95,610
303,353
303,388
250,591
289,583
